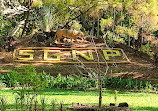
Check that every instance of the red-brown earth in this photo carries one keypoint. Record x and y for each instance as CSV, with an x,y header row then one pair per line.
x,y
141,66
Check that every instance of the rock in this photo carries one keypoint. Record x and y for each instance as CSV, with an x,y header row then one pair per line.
x,y
124,104
112,104
76,104
84,104
40,36
87,107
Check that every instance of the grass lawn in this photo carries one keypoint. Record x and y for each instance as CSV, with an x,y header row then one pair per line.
x,y
136,101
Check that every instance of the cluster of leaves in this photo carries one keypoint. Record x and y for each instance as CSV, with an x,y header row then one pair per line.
x,y
28,77
121,18
34,105
71,82
119,83
29,83
25,76
3,104
5,27
2,84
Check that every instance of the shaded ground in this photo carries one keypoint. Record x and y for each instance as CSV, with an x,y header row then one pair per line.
x,y
138,68
141,66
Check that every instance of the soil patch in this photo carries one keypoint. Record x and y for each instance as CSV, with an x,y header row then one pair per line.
x,y
87,107
141,66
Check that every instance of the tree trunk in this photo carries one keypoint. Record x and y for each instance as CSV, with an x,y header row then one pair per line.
x,y
100,89
129,39
98,29
93,26
27,17
46,19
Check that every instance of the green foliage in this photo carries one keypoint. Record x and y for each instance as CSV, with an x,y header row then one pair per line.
x,y
11,79
119,83
37,3
115,95
1,77
3,104
26,76
48,2
76,25
125,31
105,23
30,79
111,40
120,18
5,28
29,84
145,101
147,49
1,42
20,98
54,105
43,103
84,83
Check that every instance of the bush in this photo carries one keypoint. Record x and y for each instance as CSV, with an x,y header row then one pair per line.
x,y
11,79
27,76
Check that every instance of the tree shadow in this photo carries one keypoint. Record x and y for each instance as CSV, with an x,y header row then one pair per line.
x,y
81,92
146,108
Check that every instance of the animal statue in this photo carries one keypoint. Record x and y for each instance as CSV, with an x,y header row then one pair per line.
x,y
72,34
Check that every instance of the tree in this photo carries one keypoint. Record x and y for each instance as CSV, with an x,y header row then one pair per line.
x,y
125,18
119,19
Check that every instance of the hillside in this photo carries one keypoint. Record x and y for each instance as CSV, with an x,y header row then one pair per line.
x,y
141,66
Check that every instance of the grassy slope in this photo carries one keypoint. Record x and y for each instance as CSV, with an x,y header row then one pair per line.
x,y
136,101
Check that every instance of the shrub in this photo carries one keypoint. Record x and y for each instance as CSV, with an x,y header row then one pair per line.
x,y
26,77
11,79
3,104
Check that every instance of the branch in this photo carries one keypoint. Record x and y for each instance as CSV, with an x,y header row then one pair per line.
x,y
11,9
78,16
27,17
15,11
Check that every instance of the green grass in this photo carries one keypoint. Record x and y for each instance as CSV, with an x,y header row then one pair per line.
x,y
136,101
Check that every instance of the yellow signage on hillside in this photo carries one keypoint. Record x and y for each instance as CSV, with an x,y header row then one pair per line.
x,y
70,55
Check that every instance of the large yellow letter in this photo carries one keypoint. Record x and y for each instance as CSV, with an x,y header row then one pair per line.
x,y
50,59
74,52
112,53
25,53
